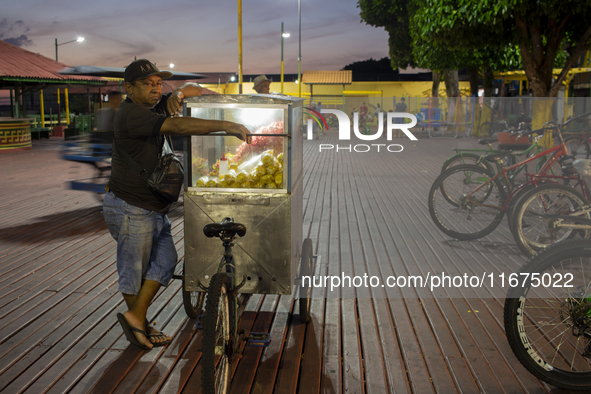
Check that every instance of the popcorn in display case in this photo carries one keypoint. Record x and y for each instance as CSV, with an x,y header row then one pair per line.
x,y
225,162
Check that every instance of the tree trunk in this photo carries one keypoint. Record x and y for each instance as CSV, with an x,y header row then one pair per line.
x,y
488,82
436,82
474,81
452,83
538,54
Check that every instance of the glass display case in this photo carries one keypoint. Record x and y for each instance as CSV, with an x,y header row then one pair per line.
x,y
258,184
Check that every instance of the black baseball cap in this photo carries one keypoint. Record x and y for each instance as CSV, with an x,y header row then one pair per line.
x,y
143,68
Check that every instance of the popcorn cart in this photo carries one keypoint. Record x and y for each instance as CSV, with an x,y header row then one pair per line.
x,y
257,184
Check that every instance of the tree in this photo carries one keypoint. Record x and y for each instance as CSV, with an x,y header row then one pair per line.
x,y
408,47
371,67
541,30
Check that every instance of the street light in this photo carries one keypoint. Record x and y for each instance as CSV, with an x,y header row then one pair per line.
x,y
283,35
79,39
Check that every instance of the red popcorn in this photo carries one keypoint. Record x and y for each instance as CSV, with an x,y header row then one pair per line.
x,y
260,144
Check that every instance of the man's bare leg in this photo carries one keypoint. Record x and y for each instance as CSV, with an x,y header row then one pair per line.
x,y
138,309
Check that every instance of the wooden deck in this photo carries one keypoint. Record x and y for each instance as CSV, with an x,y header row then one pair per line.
x,y
365,212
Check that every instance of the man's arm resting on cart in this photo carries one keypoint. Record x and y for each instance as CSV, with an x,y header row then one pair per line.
x,y
192,126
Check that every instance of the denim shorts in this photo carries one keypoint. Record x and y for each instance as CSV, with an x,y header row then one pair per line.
x,y
145,248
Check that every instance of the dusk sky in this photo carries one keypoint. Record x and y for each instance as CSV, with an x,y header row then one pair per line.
x,y
197,36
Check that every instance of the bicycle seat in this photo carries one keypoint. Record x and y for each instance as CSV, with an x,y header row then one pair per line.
x,y
226,228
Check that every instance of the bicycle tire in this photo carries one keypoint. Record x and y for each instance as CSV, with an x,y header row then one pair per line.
x,y
457,217
467,158
485,129
578,147
449,164
542,327
216,339
532,230
306,269
192,300
515,199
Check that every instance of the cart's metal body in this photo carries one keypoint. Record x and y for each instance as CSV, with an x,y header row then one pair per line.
x,y
269,254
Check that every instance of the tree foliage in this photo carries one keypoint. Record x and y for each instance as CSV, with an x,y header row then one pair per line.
x,y
545,33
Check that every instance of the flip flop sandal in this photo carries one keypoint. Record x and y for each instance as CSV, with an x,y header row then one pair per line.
x,y
158,344
128,331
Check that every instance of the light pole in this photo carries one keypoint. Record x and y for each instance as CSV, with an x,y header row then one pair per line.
x,y
283,35
300,48
79,39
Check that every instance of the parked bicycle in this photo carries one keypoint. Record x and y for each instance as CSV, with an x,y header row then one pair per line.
x,y
468,202
547,315
489,128
550,214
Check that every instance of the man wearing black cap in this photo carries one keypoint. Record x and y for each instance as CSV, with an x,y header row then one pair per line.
x,y
136,218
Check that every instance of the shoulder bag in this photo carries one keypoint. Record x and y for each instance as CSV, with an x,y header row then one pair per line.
x,y
166,181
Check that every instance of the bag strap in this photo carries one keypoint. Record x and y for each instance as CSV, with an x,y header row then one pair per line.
x,y
133,164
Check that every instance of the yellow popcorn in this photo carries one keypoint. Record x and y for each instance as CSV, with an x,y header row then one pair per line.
x,y
270,185
246,185
230,177
279,178
201,182
267,157
272,169
280,158
267,179
212,182
242,177
260,170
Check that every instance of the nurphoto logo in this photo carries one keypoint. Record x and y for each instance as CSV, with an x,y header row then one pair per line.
x,y
394,120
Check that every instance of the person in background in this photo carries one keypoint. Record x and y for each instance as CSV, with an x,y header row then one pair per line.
x,y
261,84
400,107
137,218
363,110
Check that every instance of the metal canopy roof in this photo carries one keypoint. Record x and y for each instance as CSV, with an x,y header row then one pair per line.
x,y
19,65
119,72
340,77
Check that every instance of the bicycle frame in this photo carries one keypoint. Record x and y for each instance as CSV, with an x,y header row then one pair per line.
x,y
556,152
534,147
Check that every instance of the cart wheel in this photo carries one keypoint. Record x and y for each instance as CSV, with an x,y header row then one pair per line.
x,y
217,338
192,300
306,269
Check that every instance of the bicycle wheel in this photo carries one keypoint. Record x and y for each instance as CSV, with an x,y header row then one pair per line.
x,y
579,147
467,158
306,269
514,201
192,300
485,129
459,215
217,339
533,226
547,315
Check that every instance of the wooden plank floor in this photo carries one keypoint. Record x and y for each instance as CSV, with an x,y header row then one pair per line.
x,y
366,214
